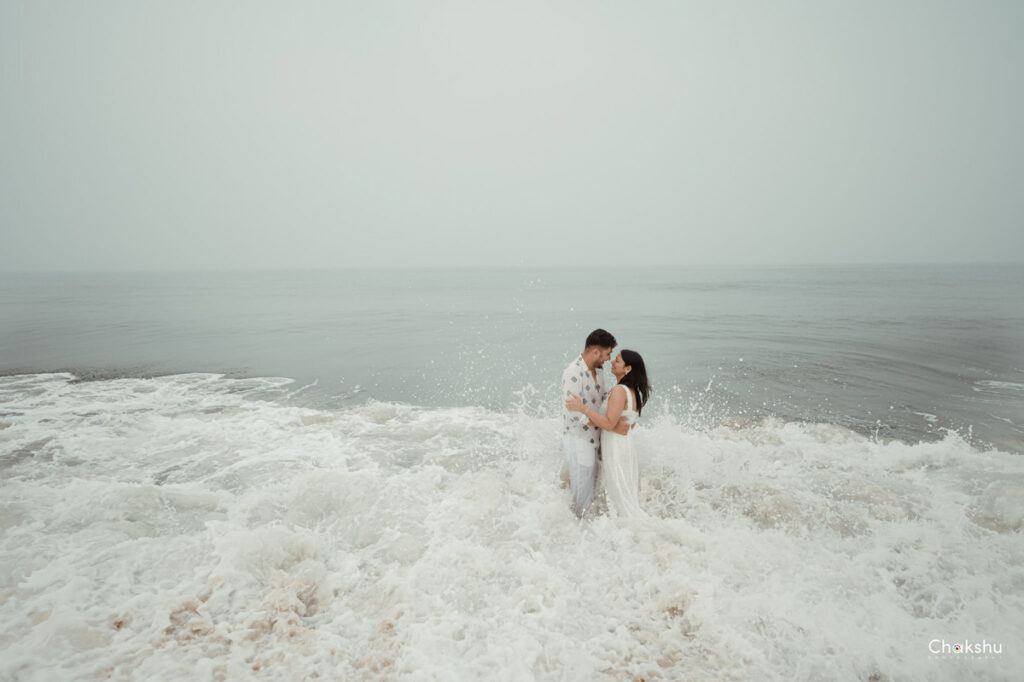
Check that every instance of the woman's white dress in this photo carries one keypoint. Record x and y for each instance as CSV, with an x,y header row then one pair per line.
x,y
619,469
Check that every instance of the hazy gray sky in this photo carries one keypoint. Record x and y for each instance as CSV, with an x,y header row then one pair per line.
x,y
320,134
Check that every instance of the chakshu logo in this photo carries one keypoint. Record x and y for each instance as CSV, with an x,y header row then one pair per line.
x,y
966,648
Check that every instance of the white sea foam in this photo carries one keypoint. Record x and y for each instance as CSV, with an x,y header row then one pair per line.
x,y
186,527
1009,386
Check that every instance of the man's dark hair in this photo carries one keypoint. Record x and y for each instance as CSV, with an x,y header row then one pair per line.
x,y
600,337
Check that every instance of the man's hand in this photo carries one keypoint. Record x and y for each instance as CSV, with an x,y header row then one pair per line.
x,y
622,428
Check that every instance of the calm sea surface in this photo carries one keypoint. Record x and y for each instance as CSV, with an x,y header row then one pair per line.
x,y
904,352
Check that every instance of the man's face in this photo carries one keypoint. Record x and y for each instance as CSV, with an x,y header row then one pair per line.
x,y
605,356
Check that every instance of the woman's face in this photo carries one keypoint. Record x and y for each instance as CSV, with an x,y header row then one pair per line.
x,y
619,368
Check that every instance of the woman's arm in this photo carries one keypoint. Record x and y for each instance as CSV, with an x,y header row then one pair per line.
x,y
607,421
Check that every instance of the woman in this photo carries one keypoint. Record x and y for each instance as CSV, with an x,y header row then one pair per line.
x,y
619,468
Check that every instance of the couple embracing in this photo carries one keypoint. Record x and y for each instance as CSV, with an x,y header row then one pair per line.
x,y
597,436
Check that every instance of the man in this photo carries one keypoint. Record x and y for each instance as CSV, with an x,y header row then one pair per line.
x,y
581,440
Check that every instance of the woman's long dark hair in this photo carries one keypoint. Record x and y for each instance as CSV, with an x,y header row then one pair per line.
x,y
636,378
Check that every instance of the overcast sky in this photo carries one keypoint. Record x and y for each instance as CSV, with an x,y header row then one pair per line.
x,y
143,135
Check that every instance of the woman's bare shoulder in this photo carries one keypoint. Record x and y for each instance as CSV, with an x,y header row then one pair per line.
x,y
625,389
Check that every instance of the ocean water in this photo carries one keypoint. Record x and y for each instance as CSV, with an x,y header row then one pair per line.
x,y
355,475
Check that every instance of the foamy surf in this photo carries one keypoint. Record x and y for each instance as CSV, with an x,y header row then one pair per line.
x,y
191,526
